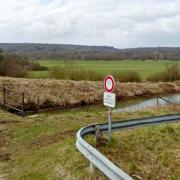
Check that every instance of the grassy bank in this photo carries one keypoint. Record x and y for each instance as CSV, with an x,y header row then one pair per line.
x,y
147,153
43,146
144,68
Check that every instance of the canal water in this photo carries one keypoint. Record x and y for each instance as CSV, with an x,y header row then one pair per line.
x,y
135,104
151,102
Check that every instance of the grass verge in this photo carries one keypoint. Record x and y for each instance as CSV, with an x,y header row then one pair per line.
x,y
147,153
43,146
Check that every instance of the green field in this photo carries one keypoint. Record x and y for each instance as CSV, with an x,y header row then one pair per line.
x,y
145,68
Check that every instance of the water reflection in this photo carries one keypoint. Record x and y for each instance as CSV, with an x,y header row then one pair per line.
x,y
174,99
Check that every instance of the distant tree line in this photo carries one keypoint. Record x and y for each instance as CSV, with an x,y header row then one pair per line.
x,y
1,55
78,52
16,65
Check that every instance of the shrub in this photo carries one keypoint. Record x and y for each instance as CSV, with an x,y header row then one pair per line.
x,y
127,76
14,66
71,70
1,55
34,66
15,70
94,76
171,73
56,73
75,74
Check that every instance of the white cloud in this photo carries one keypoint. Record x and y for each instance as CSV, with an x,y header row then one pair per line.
x,y
101,22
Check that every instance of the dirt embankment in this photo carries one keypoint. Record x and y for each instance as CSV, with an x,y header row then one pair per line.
x,y
63,93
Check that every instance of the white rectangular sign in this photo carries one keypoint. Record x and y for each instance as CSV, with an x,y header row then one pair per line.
x,y
109,99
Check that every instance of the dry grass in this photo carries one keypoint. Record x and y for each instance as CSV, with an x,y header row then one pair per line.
x,y
63,93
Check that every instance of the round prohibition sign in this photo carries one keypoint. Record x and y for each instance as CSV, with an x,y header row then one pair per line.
x,y
109,83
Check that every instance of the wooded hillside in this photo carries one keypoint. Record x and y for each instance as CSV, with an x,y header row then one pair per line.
x,y
80,52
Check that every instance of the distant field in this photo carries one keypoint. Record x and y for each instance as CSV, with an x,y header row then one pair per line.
x,y
145,68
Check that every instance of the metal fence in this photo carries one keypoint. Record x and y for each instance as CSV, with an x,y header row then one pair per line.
x,y
11,100
165,100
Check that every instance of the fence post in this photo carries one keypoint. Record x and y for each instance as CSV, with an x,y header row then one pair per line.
x,y
4,95
23,104
157,102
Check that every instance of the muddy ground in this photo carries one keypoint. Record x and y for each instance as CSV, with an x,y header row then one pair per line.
x,y
46,93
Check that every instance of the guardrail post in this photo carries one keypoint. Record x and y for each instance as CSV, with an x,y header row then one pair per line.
x,y
92,168
98,134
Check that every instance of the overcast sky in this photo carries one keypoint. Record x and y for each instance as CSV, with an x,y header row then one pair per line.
x,y
119,23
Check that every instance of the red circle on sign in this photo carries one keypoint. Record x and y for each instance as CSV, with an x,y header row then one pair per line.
x,y
109,83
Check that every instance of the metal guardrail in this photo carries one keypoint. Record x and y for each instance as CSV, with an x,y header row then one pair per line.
x,y
101,162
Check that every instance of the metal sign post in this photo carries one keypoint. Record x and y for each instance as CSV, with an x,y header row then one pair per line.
x,y
110,124
109,101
